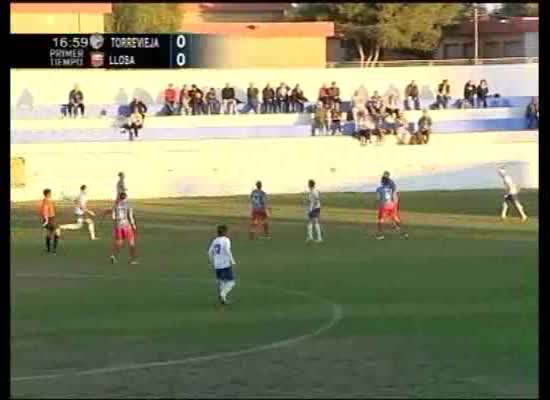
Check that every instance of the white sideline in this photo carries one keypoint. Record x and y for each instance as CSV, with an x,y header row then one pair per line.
x,y
336,316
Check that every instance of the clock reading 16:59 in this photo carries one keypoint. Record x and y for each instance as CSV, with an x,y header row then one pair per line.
x,y
71,43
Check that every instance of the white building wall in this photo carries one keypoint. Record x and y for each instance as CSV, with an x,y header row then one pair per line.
x,y
230,167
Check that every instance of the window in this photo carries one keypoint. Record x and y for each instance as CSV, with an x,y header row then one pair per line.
x,y
491,50
468,50
453,50
513,49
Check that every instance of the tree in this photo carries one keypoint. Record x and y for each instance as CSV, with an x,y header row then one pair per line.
x,y
144,18
374,26
519,10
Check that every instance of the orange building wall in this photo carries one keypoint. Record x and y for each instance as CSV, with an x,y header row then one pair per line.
x,y
58,17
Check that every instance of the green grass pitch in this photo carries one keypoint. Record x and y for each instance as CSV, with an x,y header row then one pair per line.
x,y
451,312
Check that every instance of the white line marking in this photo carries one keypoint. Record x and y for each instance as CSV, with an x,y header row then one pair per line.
x,y
336,316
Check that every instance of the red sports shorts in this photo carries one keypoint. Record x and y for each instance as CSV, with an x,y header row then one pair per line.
x,y
389,210
258,215
123,233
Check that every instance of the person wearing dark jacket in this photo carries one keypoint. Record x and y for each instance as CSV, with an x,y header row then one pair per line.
x,y
333,94
469,93
138,106
297,99
212,103
424,127
268,99
443,94
532,114
482,93
76,102
198,107
229,103
412,92
252,98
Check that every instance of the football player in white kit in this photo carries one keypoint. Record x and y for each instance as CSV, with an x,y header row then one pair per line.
x,y
83,214
313,213
510,196
221,259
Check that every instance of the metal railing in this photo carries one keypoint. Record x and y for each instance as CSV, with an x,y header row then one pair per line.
x,y
434,63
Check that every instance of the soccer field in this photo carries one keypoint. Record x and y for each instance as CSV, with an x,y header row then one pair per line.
x,y
451,312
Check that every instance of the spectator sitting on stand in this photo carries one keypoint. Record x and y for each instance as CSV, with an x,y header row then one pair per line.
x,y
229,103
375,104
133,124
389,124
358,104
212,103
281,103
392,107
139,106
336,119
482,94
268,99
469,94
324,94
320,120
402,129
333,94
365,127
76,102
184,101
198,106
443,94
297,99
532,114
424,127
412,92
252,97
170,100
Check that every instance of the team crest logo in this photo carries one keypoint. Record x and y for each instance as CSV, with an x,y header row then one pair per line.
x,y
96,41
97,59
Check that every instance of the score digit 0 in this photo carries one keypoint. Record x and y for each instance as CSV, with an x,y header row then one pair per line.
x,y
180,59
180,41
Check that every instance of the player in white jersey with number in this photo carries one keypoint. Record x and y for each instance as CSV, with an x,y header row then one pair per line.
x,y
124,228
83,214
313,213
510,196
221,259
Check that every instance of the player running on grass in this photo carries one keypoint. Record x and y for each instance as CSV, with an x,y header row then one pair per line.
x,y
83,214
387,208
47,214
124,228
511,195
313,213
259,212
221,259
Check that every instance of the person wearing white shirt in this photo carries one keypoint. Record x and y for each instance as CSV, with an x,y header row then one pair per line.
x,y
510,195
221,259
82,214
313,213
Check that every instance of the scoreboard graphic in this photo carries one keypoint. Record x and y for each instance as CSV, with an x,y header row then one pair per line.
x,y
109,51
